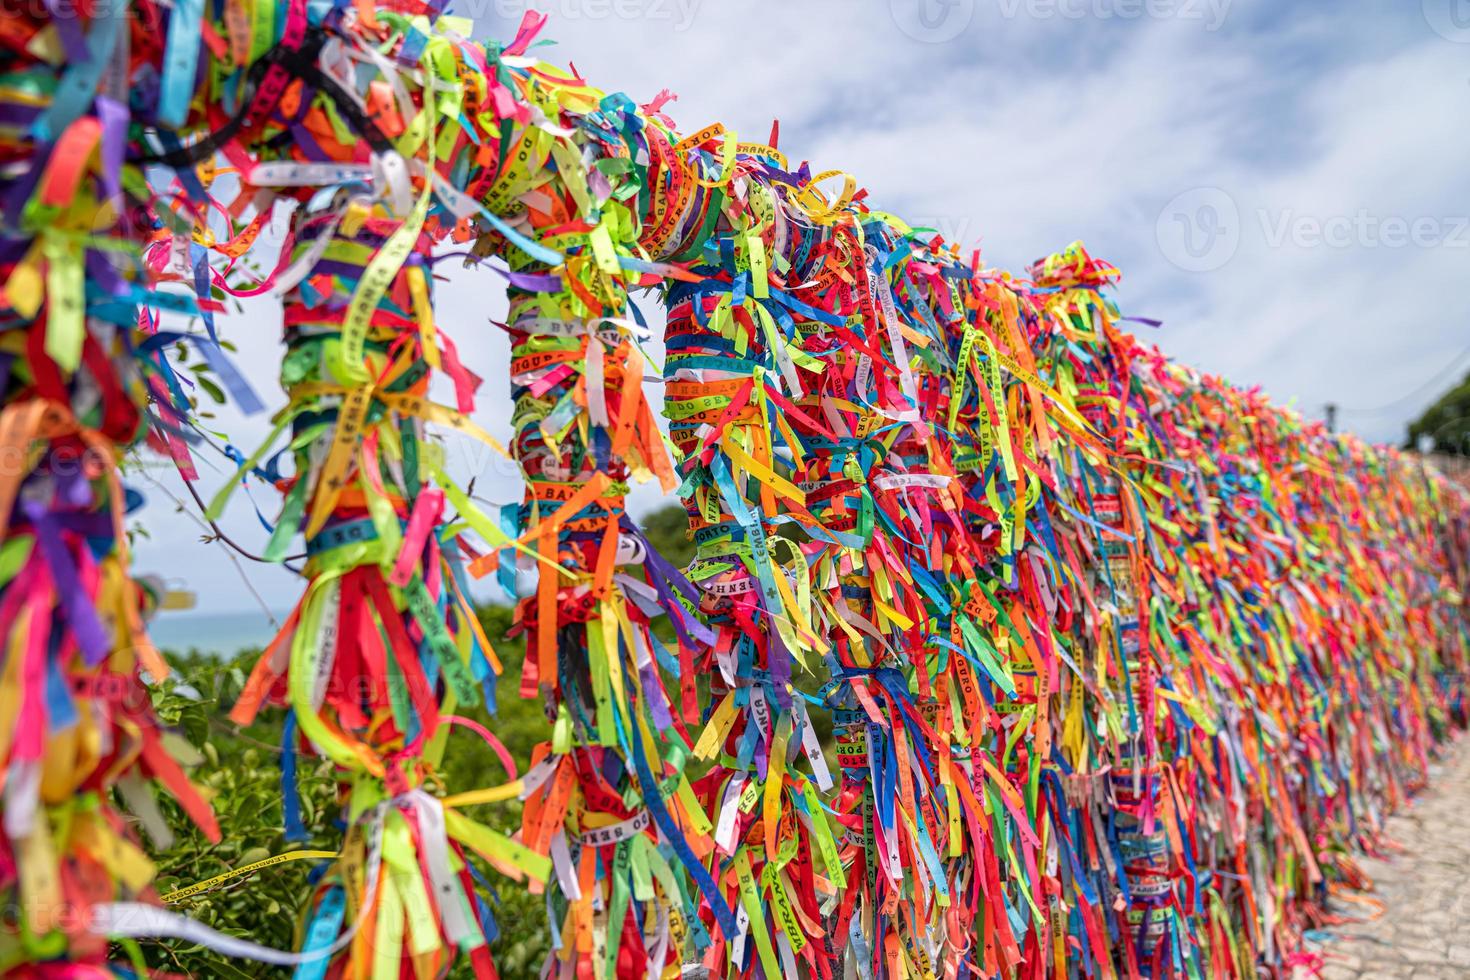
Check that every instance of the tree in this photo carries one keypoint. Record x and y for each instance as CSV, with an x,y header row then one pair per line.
x,y
1445,425
667,530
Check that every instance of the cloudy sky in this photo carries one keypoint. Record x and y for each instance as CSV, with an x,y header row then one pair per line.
x,y
1283,184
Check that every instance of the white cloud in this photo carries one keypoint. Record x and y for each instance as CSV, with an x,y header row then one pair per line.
x,y
1024,132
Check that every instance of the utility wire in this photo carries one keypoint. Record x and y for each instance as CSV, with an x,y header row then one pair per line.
x,y
1438,378
220,538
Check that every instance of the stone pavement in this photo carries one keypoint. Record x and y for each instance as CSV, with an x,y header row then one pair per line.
x,y
1424,933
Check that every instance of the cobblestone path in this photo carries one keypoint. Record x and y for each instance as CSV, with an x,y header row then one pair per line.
x,y
1424,932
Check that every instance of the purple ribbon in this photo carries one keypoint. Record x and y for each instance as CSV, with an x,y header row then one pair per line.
x,y
80,614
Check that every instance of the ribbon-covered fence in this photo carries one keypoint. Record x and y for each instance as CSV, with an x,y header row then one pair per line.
x,y
1010,649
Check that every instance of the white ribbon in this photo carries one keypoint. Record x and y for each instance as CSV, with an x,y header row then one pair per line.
x,y
729,813
285,173
811,746
326,642
890,481
459,926
596,384
135,920
22,798
561,862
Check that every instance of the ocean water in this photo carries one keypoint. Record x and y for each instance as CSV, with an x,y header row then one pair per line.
x,y
220,633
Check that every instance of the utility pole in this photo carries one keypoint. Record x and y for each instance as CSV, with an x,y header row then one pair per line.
x,y
1332,416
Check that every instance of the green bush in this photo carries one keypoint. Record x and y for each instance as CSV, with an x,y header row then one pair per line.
x,y
241,770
